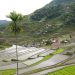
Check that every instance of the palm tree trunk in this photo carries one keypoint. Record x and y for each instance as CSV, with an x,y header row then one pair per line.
x,y
17,56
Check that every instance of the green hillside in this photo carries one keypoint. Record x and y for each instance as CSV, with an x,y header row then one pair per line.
x,y
54,19
57,10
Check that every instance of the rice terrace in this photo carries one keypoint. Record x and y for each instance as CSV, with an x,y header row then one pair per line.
x,y
37,37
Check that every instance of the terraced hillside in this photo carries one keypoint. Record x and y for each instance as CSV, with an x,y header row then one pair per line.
x,y
70,70
30,58
45,28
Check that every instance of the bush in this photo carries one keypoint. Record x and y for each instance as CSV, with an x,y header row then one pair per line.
x,y
14,60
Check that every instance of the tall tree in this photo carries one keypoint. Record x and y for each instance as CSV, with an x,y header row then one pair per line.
x,y
15,28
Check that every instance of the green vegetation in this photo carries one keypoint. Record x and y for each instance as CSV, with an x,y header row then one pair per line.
x,y
58,12
56,17
70,70
58,51
4,46
50,55
8,72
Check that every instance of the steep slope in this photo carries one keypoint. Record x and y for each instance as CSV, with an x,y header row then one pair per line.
x,y
63,10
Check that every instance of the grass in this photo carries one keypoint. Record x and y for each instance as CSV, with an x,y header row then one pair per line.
x,y
44,59
70,70
49,56
58,51
8,72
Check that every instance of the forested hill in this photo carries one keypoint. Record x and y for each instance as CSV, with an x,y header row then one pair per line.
x,y
57,10
55,19
51,18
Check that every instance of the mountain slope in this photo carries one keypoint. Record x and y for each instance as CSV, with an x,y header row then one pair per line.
x,y
63,10
55,19
3,22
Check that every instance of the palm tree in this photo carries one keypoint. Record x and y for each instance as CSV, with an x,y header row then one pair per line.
x,y
15,28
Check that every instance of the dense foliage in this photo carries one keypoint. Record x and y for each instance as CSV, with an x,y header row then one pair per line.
x,y
57,9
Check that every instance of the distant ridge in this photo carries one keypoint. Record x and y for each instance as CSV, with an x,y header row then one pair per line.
x,y
4,22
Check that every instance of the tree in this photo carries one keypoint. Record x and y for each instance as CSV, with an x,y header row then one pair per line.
x,y
15,28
